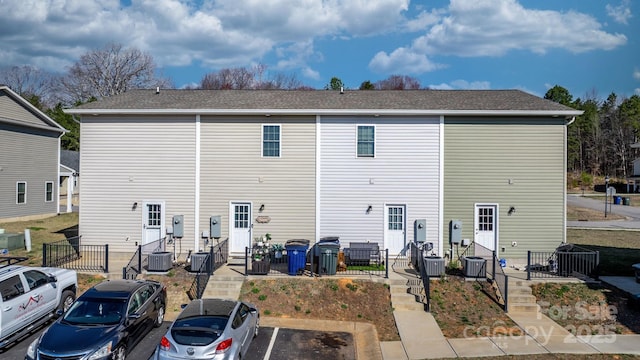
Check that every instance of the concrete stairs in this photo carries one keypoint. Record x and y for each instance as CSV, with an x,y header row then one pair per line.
x,y
224,286
520,298
405,294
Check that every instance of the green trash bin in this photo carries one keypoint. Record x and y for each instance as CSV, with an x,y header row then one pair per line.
x,y
626,201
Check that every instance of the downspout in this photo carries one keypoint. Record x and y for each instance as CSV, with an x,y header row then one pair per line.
x,y
564,176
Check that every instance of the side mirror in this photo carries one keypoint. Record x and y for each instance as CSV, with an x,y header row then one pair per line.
x,y
52,279
133,316
59,313
253,310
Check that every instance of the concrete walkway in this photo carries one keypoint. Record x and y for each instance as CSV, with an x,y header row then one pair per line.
x,y
631,214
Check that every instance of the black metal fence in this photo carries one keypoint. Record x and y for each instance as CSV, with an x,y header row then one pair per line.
x,y
217,256
140,259
371,262
567,260
71,254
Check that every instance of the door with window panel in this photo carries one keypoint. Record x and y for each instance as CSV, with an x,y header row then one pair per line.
x,y
395,224
153,222
486,228
240,227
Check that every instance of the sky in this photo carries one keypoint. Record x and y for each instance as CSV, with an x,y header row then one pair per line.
x,y
590,47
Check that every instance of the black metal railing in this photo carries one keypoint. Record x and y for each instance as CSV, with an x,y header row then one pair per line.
x,y
425,295
71,254
501,282
140,259
217,256
567,260
372,262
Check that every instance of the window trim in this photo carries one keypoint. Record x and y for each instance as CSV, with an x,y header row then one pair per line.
x,y
375,134
18,202
47,192
262,141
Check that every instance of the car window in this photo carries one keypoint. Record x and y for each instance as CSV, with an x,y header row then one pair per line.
x,y
146,293
135,302
35,279
11,288
95,311
244,311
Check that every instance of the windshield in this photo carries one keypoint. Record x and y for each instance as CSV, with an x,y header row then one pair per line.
x,y
95,312
198,331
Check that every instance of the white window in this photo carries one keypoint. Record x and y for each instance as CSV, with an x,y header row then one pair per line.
x,y
271,140
366,141
48,191
21,192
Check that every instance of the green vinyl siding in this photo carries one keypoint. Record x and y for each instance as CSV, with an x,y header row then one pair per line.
x,y
516,163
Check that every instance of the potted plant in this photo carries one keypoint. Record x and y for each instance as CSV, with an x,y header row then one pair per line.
x,y
277,249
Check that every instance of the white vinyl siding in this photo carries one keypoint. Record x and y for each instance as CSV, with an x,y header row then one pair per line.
x,y
127,160
233,170
405,170
516,163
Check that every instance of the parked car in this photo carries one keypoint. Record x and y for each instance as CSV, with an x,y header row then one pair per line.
x,y
210,329
105,322
31,296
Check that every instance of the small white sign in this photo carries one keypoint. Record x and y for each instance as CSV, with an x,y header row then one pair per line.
x,y
611,191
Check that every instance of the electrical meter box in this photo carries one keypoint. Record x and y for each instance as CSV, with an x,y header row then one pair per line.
x,y
455,232
215,226
178,226
420,230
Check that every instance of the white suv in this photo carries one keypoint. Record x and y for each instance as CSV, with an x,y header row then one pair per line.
x,y
30,296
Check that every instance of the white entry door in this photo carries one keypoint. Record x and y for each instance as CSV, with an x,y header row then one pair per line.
x,y
486,230
240,227
395,224
153,222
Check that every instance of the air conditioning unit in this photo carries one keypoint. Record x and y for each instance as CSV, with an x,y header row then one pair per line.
x,y
474,267
160,261
198,259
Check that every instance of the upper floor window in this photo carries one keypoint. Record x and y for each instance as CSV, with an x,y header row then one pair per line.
x,y
271,140
366,141
48,191
21,192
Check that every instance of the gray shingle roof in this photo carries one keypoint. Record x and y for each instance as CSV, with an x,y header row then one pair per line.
x,y
324,101
70,159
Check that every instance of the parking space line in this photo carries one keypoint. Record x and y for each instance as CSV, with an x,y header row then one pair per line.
x,y
267,355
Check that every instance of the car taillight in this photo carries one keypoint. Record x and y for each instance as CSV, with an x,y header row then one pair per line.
x,y
165,344
223,346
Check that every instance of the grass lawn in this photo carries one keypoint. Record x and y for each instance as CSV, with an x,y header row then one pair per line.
x,y
618,249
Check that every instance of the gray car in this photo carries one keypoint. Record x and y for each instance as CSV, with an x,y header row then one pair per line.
x,y
210,329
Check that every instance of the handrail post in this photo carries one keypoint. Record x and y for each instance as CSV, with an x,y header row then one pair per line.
x,y
386,261
246,260
106,258
529,265
139,259
44,255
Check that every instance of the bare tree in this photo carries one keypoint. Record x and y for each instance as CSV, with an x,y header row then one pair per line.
x,y
398,82
30,82
253,78
109,71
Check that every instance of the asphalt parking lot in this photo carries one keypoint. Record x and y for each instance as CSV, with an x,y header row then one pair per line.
x,y
271,344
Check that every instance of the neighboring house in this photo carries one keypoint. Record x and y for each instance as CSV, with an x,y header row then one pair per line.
x,y
29,158
633,181
69,178
361,165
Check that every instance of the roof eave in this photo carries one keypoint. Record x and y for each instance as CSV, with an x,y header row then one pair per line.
x,y
327,112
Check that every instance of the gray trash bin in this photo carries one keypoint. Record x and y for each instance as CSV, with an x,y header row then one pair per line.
x,y
326,255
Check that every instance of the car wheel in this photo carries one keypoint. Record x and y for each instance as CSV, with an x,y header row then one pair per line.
x,y
257,329
159,317
66,300
119,353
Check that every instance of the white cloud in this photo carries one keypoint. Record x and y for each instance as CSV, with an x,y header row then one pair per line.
x,y
637,91
475,28
223,33
636,74
494,27
402,61
620,13
462,85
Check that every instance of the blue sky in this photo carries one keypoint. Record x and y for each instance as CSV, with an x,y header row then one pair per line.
x,y
591,47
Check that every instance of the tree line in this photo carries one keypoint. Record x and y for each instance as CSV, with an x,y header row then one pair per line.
x,y
599,141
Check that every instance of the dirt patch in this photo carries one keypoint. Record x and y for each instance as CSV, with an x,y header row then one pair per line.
x,y
329,299
465,309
